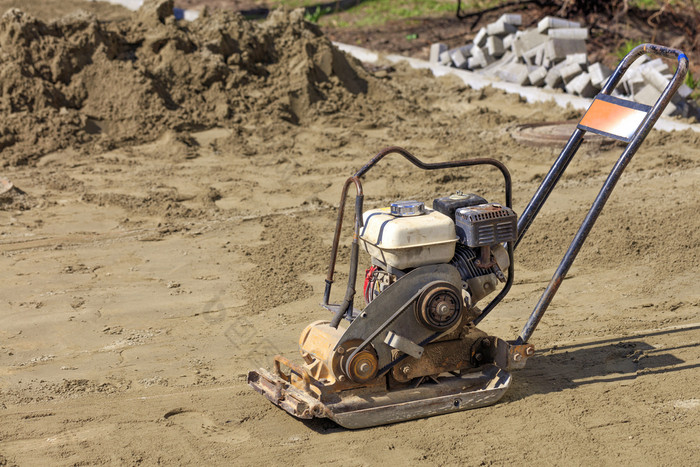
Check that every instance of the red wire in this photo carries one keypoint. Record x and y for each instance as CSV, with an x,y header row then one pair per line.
x,y
369,273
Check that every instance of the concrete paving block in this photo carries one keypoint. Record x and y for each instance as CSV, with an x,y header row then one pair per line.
x,y
653,77
551,22
581,59
490,69
500,28
489,58
558,66
458,59
678,100
513,18
478,54
445,58
558,49
657,64
570,71
648,95
537,76
480,58
530,56
466,49
494,45
599,74
514,73
508,41
618,92
568,33
480,38
684,91
518,48
672,109
561,64
435,50
539,57
688,109
581,85
528,40
633,82
553,79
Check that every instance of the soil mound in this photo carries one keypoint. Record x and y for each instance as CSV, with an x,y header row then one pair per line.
x,y
78,80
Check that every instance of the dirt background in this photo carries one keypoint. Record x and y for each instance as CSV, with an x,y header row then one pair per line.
x,y
175,194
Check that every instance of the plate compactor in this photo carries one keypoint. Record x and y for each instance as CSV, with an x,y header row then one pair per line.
x,y
415,350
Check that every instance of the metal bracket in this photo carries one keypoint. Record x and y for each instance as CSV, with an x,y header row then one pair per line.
x,y
403,344
518,355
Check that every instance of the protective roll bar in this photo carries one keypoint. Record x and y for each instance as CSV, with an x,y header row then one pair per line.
x,y
347,304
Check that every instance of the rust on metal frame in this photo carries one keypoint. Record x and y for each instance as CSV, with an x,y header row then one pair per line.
x,y
518,355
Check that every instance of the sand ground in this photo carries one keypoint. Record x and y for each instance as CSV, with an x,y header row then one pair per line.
x,y
143,281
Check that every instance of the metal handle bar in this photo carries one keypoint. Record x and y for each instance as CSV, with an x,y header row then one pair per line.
x,y
441,165
607,188
567,154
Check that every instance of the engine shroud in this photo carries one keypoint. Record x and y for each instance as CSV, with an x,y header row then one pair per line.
x,y
486,224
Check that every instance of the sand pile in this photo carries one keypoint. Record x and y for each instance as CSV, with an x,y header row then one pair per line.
x,y
78,80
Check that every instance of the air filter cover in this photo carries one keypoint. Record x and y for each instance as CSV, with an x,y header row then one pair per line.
x,y
486,224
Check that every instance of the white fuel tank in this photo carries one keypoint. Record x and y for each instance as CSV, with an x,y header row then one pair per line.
x,y
408,240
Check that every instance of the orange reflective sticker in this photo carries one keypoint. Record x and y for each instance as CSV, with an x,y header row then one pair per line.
x,y
613,117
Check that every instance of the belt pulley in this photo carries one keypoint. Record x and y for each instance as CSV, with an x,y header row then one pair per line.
x,y
439,307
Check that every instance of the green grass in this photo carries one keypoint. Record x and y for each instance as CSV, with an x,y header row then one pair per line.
x,y
378,12
657,4
420,7
317,14
627,48
646,4
291,3
690,81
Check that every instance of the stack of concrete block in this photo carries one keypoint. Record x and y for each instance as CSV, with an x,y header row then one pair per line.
x,y
553,55
646,79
